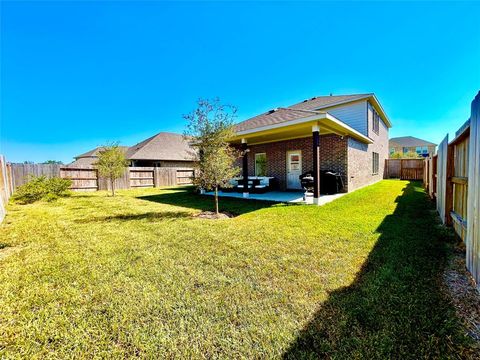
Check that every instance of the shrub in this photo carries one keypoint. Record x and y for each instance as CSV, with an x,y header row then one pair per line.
x,y
39,187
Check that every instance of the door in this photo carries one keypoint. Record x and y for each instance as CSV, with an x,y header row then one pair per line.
x,y
294,169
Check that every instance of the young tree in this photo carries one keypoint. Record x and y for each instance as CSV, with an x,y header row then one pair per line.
x,y
111,163
209,127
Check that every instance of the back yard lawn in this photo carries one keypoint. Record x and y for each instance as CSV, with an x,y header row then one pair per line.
x,y
137,275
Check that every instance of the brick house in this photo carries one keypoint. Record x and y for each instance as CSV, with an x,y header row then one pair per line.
x,y
347,134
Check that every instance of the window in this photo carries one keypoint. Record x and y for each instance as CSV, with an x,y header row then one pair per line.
x,y
375,160
392,151
421,150
374,119
261,164
405,150
376,122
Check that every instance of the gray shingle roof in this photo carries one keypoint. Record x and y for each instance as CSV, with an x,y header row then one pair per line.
x,y
94,153
83,162
409,141
296,111
163,146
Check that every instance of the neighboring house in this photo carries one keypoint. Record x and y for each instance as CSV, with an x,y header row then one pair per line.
x,y
89,158
163,149
407,144
347,134
160,150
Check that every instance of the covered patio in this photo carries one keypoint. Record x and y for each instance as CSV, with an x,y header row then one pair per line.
x,y
282,197
291,141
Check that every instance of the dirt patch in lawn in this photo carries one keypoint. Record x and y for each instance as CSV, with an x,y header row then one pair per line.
x,y
6,250
463,293
214,216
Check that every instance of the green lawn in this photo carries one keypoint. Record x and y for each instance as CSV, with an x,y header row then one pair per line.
x,y
138,276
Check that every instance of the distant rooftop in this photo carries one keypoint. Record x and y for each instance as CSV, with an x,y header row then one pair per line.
x,y
409,141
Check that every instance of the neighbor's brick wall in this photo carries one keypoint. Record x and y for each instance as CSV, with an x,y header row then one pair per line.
x,y
333,156
360,158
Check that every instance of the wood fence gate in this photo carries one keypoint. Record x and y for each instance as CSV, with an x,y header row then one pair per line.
x,y
404,169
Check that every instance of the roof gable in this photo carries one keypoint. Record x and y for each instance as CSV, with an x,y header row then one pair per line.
x,y
299,110
94,152
162,146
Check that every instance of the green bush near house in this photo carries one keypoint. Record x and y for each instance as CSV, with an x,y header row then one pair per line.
x,y
41,188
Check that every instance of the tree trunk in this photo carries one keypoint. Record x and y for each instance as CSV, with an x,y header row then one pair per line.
x,y
112,185
216,200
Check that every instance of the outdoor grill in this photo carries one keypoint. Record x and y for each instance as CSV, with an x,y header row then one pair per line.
x,y
330,182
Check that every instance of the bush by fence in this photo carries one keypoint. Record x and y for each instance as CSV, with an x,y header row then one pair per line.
x,y
41,188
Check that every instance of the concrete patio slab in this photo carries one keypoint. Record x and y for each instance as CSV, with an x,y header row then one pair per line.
x,y
281,196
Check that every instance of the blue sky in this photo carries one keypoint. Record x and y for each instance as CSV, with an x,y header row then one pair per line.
x,y
75,75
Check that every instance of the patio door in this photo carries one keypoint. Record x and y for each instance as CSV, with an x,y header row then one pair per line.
x,y
294,169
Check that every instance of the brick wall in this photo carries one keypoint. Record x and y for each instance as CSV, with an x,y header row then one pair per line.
x,y
333,156
360,158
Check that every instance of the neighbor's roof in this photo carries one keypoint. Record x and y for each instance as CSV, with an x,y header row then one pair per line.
x,y
83,162
163,146
94,153
297,111
409,141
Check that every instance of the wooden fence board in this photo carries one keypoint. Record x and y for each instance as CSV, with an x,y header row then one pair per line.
x,y
460,186
472,238
6,186
83,179
442,177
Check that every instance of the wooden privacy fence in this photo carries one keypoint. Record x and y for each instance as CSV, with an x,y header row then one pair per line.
x,y
404,169
456,170
6,185
83,179
87,178
21,172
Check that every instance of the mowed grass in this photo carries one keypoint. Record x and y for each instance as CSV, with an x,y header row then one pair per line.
x,y
93,276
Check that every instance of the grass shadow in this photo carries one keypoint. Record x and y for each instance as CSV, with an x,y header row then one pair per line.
x,y
151,216
188,198
395,307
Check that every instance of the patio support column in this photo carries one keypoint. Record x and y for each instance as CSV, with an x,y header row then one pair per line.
x,y
245,168
316,164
